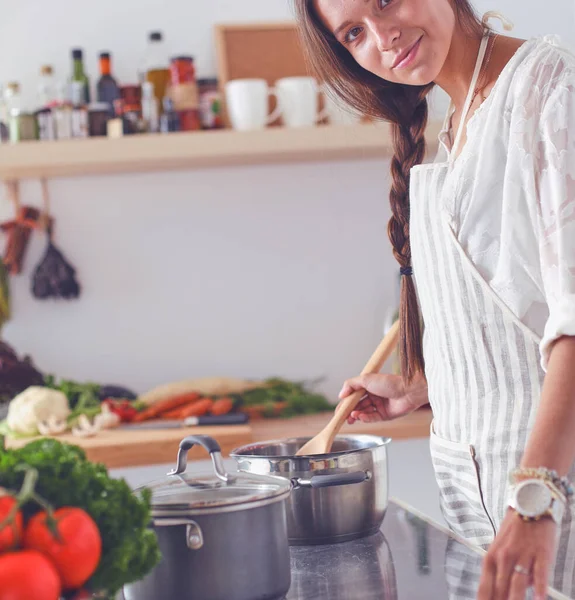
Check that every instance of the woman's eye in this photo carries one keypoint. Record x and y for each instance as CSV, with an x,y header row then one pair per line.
x,y
352,35
384,3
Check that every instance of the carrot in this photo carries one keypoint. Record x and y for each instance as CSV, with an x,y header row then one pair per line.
x,y
165,406
222,406
197,409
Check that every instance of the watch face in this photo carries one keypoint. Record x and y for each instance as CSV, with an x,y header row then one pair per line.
x,y
533,498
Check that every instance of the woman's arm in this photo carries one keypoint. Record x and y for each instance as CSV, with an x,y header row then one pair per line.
x,y
552,441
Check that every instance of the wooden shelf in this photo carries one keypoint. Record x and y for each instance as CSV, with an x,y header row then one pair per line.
x,y
157,152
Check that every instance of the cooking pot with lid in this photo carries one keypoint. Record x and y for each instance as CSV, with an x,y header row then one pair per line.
x,y
222,537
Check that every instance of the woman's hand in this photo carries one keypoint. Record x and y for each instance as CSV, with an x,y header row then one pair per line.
x,y
386,397
528,545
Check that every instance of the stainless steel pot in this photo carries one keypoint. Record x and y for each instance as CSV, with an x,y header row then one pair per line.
x,y
221,538
335,497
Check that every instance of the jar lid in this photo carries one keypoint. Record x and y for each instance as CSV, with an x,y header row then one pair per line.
x,y
208,81
183,493
183,58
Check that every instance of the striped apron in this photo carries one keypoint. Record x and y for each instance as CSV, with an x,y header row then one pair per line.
x,y
482,368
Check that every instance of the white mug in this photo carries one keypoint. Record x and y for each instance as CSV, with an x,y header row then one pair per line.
x,y
248,104
298,100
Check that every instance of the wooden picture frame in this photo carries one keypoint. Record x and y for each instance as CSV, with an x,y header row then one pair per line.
x,y
259,50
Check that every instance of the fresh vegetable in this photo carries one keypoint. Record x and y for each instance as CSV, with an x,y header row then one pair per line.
x,y
196,409
28,575
117,392
16,374
34,405
11,523
167,405
66,478
123,408
222,406
298,400
5,310
75,551
81,396
206,386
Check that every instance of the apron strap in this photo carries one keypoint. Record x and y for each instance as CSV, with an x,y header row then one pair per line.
x,y
508,26
470,93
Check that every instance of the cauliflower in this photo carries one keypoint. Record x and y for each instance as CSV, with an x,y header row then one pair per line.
x,y
36,405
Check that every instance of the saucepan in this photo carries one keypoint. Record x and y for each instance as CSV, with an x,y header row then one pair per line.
x,y
222,537
335,497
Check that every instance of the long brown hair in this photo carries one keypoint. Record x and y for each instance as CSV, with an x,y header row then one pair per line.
x,y
406,108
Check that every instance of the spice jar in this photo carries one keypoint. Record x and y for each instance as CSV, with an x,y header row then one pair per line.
x,y
210,103
184,88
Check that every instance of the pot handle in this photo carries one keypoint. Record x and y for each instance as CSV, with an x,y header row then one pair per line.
x,y
321,481
194,535
209,444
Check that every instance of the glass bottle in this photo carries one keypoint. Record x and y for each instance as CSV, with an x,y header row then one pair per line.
x,y
78,73
150,109
46,104
63,112
155,67
4,133
170,120
13,101
79,110
46,88
107,89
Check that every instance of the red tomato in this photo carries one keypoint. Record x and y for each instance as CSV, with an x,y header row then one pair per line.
x,y
28,574
76,554
10,534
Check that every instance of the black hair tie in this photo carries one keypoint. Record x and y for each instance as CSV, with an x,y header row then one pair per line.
x,y
407,271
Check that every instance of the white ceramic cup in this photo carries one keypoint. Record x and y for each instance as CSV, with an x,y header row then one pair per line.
x,y
298,99
248,104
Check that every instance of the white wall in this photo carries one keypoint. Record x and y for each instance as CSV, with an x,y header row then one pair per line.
x,y
248,272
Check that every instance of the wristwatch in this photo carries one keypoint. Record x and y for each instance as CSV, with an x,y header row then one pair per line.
x,y
532,499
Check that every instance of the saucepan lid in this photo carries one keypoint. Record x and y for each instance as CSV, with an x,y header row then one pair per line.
x,y
183,493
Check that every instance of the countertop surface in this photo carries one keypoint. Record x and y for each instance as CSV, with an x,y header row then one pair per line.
x,y
117,448
410,559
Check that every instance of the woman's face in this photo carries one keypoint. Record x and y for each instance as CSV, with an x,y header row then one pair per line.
x,y
402,41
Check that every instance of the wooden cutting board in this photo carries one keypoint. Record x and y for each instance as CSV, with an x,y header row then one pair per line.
x,y
120,448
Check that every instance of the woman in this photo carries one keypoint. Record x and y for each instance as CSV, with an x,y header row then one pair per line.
x,y
488,234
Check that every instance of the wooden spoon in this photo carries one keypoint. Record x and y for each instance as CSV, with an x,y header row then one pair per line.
x,y
323,441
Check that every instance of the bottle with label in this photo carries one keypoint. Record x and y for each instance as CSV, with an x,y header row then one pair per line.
x,y
184,92
150,110
46,104
107,89
79,110
63,112
79,75
4,133
210,103
170,120
21,124
155,68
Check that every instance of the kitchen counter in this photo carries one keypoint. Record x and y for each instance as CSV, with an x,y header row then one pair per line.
x,y
412,558
119,448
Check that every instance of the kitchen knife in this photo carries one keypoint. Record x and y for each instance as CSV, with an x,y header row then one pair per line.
x,y
235,419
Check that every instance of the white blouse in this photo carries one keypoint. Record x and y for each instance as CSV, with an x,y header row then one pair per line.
x,y
512,202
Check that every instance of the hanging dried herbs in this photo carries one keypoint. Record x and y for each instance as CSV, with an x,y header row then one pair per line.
x,y
54,276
